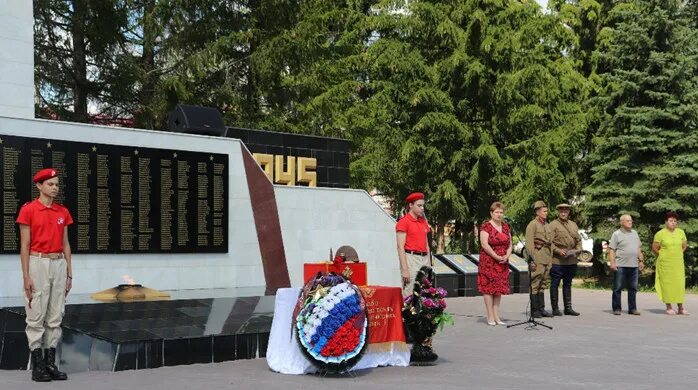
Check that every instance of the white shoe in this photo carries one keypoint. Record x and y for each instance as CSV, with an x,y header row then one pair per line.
x,y
500,322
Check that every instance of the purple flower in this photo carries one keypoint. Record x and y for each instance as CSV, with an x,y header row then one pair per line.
x,y
442,292
429,303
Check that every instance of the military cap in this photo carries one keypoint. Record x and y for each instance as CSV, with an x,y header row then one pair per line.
x,y
45,174
413,197
539,204
563,206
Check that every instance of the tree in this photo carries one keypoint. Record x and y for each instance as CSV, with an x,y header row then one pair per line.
x,y
500,106
588,20
644,160
211,49
73,41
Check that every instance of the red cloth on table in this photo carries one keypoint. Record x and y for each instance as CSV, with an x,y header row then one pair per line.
x,y
385,328
357,271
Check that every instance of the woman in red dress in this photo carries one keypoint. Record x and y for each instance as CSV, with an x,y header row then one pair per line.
x,y
493,270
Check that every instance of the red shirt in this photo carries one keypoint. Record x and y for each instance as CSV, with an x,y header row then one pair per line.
x,y
416,230
46,225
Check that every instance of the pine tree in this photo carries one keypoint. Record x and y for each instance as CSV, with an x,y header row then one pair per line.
x,y
644,161
467,101
74,40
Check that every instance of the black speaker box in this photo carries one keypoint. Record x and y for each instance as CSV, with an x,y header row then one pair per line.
x,y
196,120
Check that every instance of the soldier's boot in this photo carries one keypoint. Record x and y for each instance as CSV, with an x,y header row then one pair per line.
x,y
553,302
535,307
39,373
567,298
50,363
541,305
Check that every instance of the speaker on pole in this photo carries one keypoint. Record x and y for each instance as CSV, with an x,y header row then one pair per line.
x,y
196,120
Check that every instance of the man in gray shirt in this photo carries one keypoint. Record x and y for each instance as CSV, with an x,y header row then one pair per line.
x,y
626,260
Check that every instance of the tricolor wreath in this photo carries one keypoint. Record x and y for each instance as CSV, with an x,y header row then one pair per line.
x,y
331,322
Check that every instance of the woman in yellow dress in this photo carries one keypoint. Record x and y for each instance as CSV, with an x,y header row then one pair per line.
x,y
670,279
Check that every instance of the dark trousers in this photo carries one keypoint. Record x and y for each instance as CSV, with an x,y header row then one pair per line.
x,y
625,277
562,272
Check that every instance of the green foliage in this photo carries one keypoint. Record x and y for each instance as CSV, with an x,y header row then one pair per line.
x,y
74,42
644,162
461,101
469,101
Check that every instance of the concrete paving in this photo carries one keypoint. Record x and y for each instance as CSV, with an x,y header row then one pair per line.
x,y
594,351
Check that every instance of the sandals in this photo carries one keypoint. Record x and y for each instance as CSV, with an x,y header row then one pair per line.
x,y
670,312
684,312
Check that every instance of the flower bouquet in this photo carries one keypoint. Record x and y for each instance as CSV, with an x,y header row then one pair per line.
x,y
423,314
331,323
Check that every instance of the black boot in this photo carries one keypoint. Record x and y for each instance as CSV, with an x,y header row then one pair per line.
x,y
535,307
567,298
50,362
553,302
39,373
541,305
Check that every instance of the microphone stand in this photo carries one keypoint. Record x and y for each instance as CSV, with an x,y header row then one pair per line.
x,y
532,323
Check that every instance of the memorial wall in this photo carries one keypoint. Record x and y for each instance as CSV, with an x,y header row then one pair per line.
x,y
298,159
175,211
187,220
123,199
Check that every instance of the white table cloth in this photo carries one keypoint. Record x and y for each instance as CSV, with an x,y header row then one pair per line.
x,y
284,354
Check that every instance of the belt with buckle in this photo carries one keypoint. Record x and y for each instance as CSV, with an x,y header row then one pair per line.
x,y
52,256
416,252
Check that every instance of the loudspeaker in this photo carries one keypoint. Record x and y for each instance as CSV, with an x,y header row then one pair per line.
x,y
196,120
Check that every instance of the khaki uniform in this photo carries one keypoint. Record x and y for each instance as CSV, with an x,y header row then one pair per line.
x,y
538,246
565,235
48,302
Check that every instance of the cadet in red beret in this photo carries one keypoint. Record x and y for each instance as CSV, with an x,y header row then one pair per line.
x,y
412,241
413,197
45,174
46,267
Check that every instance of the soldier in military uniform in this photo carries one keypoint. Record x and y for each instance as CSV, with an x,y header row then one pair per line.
x,y
565,238
538,246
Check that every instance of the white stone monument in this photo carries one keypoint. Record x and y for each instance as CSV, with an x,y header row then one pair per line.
x,y
17,59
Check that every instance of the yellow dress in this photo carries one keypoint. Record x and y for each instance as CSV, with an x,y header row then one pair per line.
x,y
670,278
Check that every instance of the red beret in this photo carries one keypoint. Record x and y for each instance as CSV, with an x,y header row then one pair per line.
x,y
413,197
45,174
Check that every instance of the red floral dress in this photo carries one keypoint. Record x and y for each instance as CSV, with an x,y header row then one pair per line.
x,y
493,277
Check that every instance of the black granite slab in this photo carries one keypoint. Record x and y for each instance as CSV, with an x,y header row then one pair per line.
x,y
136,335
